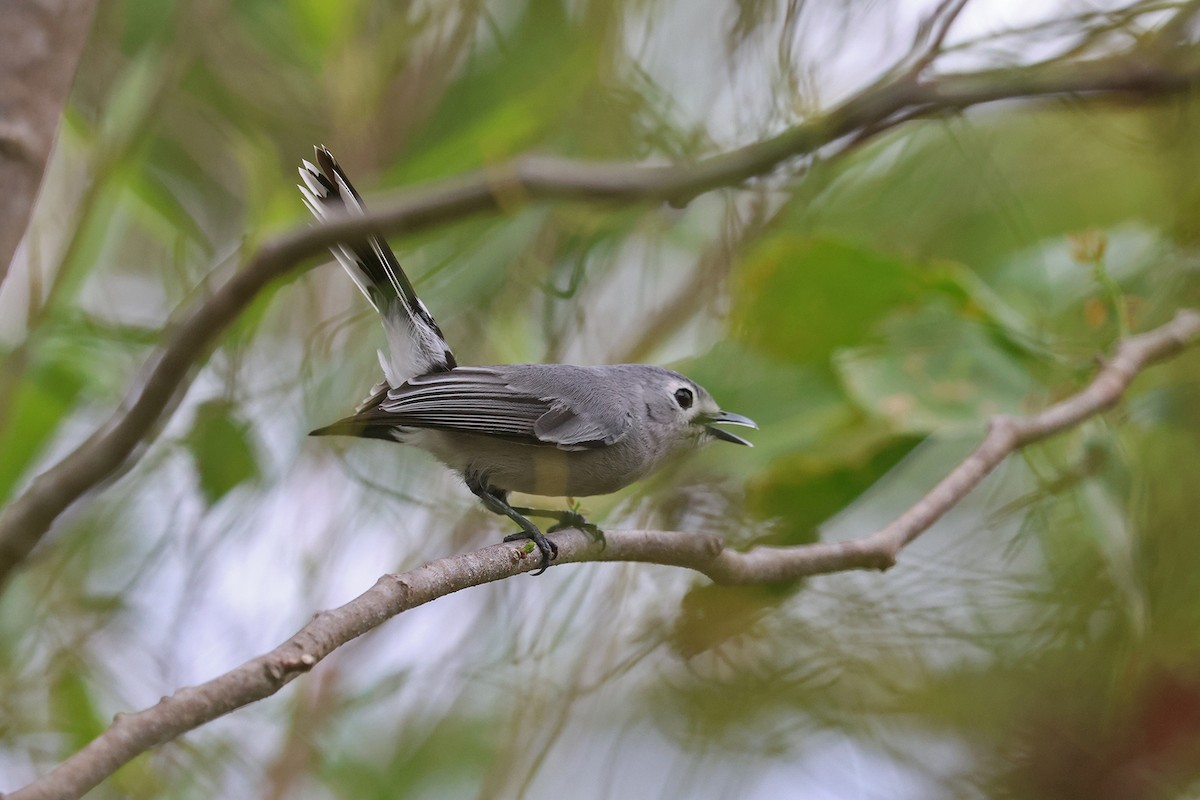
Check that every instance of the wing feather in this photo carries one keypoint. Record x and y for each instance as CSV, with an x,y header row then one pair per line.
x,y
486,401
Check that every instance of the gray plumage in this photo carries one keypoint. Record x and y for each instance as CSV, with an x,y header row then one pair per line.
x,y
543,429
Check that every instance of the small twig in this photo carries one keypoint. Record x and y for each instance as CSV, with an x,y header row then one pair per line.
x,y
1091,22
932,32
189,708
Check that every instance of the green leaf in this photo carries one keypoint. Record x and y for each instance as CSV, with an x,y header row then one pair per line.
x,y
129,101
803,490
935,371
145,24
318,23
796,406
799,298
974,298
43,397
75,712
221,449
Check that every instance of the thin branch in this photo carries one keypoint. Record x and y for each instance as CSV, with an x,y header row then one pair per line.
x,y
932,32
1091,26
191,707
1135,74
1006,435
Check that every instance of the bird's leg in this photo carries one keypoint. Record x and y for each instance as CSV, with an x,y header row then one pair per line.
x,y
569,518
496,501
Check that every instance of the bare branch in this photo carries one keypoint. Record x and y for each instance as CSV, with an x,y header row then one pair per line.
x,y
932,32
187,709
1136,74
43,40
1089,27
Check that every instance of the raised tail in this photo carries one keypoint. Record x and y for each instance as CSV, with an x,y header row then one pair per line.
x,y
415,342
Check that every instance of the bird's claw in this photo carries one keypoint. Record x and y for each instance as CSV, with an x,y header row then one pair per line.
x,y
573,519
546,547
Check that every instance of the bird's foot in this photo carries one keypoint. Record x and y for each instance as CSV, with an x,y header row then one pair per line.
x,y
570,518
547,548
573,519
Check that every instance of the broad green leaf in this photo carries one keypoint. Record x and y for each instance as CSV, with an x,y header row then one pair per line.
x,y
221,449
145,24
800,299
321,23
796,406
75,712
978,300
805,489
711,614
934,371
43,396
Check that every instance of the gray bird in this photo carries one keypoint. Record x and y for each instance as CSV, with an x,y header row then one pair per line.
x,y
542,429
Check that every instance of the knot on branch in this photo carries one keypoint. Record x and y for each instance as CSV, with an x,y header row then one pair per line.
x,y
397,583
1005,428
711,544
881,560
283,668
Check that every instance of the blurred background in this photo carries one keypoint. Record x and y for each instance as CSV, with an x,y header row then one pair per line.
x,y
869,306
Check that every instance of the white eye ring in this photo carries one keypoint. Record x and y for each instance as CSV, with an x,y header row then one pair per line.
x,y
684,397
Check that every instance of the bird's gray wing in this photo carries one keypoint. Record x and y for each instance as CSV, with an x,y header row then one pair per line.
x,y
492,402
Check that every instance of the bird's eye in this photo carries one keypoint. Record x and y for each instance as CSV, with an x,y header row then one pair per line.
x,y
684,398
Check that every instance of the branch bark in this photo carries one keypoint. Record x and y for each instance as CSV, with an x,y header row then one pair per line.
x,y
191,707
43,40
1139,73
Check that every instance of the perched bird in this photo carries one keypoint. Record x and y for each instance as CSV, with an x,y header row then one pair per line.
x,y
542,429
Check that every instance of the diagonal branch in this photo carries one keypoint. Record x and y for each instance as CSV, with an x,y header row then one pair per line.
x,y
191,707
1136,74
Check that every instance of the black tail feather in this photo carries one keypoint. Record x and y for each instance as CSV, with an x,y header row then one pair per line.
x,y
358,429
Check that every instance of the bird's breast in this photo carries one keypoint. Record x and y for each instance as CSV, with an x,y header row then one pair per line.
x,y
538,469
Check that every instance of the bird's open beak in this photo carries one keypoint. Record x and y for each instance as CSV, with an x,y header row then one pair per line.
x,y
727,418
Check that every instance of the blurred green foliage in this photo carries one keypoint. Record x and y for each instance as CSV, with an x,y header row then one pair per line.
x,y
870,311
222,450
